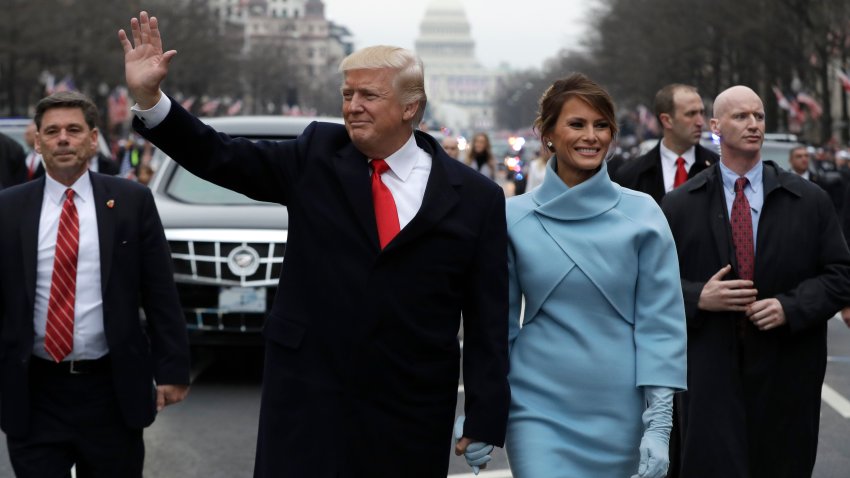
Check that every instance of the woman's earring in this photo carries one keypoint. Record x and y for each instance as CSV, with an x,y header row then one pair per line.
x,y
550,146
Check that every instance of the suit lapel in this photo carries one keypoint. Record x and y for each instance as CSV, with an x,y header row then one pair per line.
x,y
30,217
701,161
439,198
105,225
720,229
440,195
352,169
654,175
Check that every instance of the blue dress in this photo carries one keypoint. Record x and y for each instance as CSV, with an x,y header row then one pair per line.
x,y
603,315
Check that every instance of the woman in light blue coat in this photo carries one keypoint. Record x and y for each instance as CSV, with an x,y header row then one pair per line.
x,y
601,347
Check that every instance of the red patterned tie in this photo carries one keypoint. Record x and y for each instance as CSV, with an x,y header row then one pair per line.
x,y
59,334
742,231
386,214
681,174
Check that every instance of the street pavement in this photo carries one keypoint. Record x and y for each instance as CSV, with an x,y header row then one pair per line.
x,y
212,434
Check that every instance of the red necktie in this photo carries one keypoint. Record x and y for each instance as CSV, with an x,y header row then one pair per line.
x,y
742,231
386,214
59,334
681,173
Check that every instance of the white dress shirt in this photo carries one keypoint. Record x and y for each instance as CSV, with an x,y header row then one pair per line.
x,y
89,338
410,166
406,179
668,164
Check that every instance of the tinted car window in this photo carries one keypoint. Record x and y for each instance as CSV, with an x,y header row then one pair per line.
x,y
186,187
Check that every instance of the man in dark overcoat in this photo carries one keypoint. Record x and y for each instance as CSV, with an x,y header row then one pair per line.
x,y
389,241
764,266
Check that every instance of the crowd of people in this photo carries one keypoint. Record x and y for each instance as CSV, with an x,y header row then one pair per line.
x,y
635,318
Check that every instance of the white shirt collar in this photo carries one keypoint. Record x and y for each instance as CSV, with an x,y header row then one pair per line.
x,y
55,191
401,162
668,157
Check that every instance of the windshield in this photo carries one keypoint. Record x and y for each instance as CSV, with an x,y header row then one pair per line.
x,y
185,186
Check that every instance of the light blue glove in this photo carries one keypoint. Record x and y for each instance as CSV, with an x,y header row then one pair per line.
x,y
657,422
477,453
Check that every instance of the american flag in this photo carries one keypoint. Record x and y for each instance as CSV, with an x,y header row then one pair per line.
x,y
210,106
815,109
843,78
234,108
118,106
781,100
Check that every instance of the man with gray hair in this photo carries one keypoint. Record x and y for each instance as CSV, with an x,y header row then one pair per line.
x,y
390,240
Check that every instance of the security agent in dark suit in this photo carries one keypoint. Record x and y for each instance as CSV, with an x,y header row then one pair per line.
x,y
764,266
82,252
12,162
362,357
681,113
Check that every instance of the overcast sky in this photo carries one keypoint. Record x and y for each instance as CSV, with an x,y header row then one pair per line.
x,y
522,33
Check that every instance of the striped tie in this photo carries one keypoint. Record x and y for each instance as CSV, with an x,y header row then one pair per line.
x,y
59,335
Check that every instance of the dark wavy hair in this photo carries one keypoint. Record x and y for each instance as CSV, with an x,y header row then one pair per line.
x,y
579,86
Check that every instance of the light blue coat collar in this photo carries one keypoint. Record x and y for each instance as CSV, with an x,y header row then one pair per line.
x,y
591,198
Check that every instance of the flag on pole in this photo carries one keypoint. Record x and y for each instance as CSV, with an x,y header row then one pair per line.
x,y
647,119
118,106
209,107
187,103
843,78
66,84
814,107
781,100
234,108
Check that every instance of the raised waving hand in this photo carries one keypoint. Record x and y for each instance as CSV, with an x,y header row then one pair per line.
x,y
145,64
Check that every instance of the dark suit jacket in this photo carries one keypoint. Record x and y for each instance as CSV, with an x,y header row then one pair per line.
x,y
13,168
761,393
644,173
136,271
362,356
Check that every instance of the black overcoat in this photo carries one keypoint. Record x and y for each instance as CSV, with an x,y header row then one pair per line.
x,y
752,408
362,356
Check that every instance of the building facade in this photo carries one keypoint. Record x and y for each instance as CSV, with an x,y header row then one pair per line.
x,y
460,90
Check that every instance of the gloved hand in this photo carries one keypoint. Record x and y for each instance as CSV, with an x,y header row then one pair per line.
x,y
477,453
657,422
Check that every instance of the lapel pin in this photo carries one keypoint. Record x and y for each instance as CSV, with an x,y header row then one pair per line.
x,y
110,204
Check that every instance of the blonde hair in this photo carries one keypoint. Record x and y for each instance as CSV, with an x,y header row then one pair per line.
x,y
409,80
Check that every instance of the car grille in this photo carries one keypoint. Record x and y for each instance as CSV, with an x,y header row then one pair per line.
x,y
206,261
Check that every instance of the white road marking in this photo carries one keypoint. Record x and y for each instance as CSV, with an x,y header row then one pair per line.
x,y
835,400
460,388
485,474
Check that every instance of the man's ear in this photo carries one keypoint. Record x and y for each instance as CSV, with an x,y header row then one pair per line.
x,y
714,124
666,121
410,111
